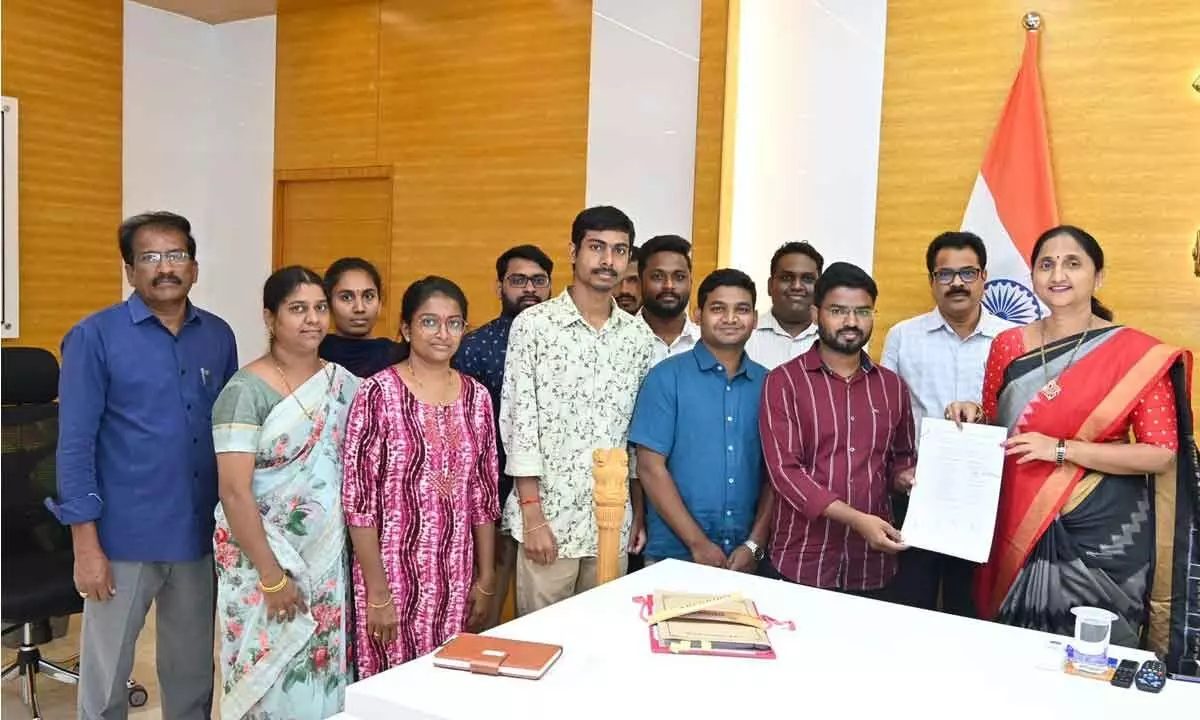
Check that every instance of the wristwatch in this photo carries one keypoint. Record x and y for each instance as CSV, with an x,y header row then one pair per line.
x,y
755,549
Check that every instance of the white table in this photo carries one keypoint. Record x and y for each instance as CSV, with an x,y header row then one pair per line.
x,y
848,655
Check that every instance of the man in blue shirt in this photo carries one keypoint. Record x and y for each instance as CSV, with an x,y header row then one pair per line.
x,y
522,280
137,476
695,427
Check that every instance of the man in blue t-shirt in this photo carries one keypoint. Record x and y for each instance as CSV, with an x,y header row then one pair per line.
x,y
695,429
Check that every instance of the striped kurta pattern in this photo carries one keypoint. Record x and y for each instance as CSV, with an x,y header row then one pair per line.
x,y
424,475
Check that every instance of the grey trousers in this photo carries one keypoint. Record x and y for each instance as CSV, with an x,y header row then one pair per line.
x,y
184,597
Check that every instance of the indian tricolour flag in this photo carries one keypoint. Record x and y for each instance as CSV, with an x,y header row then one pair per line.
x,y
1013,198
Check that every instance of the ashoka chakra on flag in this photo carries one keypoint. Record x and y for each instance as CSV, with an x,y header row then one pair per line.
x,y
1011,301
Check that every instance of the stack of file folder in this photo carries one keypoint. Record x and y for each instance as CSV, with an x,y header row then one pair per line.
x,y
697,624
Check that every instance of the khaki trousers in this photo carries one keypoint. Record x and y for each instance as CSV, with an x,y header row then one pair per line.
x,y
540,586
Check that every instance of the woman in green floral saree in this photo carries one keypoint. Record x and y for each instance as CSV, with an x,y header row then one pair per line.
x,y
279,544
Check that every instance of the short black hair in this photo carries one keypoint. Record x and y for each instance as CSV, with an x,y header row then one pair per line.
x,y
341,266
847,275
600,218
725,277
956,241
159,220
533,253
283,282
797,248
664,244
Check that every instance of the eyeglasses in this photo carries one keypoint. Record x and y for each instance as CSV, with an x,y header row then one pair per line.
x,y
520,281
945,276
839,311
430,324
172,257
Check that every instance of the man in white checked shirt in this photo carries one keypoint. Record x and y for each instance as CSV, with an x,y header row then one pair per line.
x,y
939,355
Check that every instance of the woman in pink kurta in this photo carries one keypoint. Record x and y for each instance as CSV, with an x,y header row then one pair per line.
x,y
420,491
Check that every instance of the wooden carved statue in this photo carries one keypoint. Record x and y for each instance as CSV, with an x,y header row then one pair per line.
x,y
610,473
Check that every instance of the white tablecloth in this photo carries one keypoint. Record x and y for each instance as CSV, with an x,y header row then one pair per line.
x,y
848,657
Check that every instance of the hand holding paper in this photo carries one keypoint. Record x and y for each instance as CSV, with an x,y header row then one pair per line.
x,y
952,508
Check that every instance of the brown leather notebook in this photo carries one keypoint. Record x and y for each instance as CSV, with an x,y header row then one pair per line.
x,y
497,656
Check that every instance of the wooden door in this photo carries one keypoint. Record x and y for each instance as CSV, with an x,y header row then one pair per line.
x,y
322,217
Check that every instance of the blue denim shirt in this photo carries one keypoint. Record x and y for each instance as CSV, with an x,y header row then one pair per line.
x,y
135,447
706,425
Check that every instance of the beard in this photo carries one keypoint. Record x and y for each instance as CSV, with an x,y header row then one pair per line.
x,y
661,310
512,308
842,341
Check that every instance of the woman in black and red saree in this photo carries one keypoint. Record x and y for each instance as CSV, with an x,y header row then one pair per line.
x,y
1101,490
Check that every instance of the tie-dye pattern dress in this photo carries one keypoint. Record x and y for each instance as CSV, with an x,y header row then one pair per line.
x,y
424,476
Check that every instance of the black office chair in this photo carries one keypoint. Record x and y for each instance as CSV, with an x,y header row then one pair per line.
x,y
36,579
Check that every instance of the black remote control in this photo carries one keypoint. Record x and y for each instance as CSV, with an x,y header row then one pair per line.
x,y
1123,678
1151,677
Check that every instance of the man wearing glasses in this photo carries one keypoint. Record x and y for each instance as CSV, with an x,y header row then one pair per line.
x,y
522,281
837,435
137,476
942,354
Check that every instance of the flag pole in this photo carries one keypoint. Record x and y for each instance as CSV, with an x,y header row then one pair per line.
x,y
1032,21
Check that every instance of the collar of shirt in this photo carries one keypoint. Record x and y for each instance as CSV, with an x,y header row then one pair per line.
x,y
707,362
140,312
989,325
564,311
499,325
691,330
767,322
812,362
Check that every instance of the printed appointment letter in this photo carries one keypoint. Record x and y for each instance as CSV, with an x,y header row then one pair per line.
x,y
952,508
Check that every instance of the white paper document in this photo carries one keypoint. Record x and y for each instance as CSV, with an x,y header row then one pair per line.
x,y
952,508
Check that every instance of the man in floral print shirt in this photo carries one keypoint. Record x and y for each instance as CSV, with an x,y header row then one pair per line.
x,y
574,367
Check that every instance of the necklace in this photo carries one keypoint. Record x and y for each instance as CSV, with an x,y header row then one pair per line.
x,y
413,374
279,368
1052,389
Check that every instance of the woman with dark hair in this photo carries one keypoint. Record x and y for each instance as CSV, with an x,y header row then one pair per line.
x,y
280,540
1089,516
355,293
421,490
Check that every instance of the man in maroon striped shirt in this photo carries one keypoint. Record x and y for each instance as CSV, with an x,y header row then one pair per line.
x,y
838,436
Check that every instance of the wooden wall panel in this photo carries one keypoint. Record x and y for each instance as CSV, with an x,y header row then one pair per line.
x,y
1124,132
317,216
484,111
326,83
480,106
63,62
706,207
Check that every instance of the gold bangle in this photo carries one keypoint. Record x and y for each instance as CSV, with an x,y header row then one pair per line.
x,y
379,606
535,528
274,588
485,592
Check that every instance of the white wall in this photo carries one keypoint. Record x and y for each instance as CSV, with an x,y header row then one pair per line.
x,y
645,71
806,144
199,121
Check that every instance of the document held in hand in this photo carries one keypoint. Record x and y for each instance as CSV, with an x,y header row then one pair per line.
x,y
489,655
952,508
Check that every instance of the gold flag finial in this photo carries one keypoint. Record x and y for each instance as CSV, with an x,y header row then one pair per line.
x,y
1032,21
